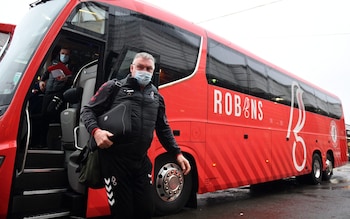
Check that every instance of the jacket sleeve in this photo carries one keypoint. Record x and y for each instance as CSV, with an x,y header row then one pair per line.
x,y
45,76
97,105
164,132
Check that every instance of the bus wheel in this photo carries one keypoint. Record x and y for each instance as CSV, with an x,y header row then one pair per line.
x,y
316,173
172,188
327,174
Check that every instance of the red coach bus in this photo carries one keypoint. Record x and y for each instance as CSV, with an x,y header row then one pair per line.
x,y
239,119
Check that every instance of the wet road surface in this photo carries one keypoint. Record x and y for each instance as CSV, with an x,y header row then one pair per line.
x,y
282,199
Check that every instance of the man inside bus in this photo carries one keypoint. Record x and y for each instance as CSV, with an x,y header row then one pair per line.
x,y
124,161
57,79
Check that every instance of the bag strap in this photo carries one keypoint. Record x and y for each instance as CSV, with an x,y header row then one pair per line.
x,y
82,158
118,85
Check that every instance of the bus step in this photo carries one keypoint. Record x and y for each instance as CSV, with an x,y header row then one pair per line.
x,y
37,203
76,204
62,214
45,159
58,203
40,179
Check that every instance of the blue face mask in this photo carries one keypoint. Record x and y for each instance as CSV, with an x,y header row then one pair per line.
x,y
143,77
64,58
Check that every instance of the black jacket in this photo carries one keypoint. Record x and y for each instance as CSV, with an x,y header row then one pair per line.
x,y
53,85
147,115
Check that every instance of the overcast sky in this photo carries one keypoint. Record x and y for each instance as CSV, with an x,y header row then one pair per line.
x,y
309,38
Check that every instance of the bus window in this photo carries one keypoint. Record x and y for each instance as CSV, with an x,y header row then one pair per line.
x,y
258,83
226,67
121,67
89,18
23,45
334,107
178,49
321,101
280,87
309,98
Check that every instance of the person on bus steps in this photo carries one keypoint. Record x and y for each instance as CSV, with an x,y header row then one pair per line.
x,y
57,79
124,161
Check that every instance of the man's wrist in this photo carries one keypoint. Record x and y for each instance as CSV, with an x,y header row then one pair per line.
x,y
94,130
178,155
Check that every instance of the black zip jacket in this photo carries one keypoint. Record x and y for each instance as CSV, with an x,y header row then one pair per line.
x,y
147,115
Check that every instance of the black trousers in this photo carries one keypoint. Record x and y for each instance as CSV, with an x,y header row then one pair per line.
x,y
48,116
128,184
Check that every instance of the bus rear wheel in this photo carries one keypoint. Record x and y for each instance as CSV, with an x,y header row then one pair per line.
x,y
316,173
327,174
172,188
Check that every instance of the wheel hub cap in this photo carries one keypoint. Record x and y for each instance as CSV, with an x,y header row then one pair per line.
x,y
169,182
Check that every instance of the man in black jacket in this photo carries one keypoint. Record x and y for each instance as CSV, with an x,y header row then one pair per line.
x,y
124,161
53,83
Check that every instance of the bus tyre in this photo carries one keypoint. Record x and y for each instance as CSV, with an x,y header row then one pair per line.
x,y
327,174
172,188
316,173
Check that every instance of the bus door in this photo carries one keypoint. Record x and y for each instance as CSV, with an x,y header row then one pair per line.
x,y
42,169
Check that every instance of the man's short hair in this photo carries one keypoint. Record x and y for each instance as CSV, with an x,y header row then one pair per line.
x,y
145,55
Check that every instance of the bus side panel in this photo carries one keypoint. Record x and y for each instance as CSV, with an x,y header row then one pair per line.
x,y
277,116
238,156
340,147
238,144
97,203
292,154
9,125
186,109
264,140
6,171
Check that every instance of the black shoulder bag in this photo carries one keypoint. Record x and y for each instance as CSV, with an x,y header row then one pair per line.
x,y
116,120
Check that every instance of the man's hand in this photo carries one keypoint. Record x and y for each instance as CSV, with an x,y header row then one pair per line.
x,y
42,85
102,138
184,164
61,78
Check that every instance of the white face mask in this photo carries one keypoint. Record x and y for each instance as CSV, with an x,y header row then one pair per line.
x,y
64,58
143,77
